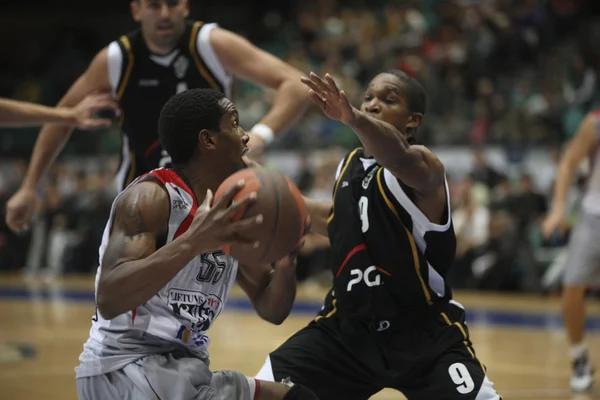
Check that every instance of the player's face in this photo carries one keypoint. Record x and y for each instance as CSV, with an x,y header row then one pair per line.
x,y
385,100
163,21
232,140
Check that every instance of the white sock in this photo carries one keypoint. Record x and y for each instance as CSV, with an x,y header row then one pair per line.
x,y
577,350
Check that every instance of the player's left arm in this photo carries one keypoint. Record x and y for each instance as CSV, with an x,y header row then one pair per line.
x,y
272,290
414,165
248,62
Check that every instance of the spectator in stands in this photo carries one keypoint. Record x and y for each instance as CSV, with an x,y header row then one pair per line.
x,y
483,172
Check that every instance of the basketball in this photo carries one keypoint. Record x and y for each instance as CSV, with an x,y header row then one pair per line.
x,y
283,209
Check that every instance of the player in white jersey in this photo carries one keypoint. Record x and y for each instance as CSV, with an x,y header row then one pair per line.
x,y
583,259
162,280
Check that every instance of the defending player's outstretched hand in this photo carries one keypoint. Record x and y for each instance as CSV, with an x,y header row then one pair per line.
x,y
332,100
214,227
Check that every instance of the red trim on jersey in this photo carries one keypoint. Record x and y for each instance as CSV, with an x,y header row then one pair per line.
x,y
383,271
185,224
257,389
166,176
133,314
352,252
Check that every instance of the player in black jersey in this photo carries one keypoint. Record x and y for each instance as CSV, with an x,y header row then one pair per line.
x,y
143,69
389,320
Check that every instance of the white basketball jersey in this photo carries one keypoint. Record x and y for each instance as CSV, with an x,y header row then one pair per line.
x,y
591,199
180,314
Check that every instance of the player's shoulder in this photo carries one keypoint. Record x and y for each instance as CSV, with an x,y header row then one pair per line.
x,y
123,45
350,157
168,177
146,197
141,208
163,175
353,156
200,29
147,189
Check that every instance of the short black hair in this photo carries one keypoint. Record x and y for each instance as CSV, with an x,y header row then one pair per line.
x,y
415,93
183,117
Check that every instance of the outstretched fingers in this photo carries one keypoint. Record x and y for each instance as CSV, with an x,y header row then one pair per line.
x,y
317,99
311,85
321,84
332,85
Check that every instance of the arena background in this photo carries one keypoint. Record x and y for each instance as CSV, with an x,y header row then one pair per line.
x,y
508,83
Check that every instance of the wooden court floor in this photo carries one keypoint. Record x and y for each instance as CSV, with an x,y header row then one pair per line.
x,y
519,339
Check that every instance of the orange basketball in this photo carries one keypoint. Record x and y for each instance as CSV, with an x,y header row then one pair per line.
x,y
283,209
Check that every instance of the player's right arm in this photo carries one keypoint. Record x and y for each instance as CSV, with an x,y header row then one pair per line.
x,y
414,165
133,269
580,147
52,139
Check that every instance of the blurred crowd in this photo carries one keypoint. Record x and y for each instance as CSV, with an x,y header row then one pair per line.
x,y
517,74
496,71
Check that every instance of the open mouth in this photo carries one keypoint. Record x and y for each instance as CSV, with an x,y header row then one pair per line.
x,y
165,27
244,163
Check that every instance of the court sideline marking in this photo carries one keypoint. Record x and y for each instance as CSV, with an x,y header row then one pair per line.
x,y
475,316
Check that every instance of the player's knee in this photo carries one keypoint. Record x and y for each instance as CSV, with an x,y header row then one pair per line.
x,y
299,392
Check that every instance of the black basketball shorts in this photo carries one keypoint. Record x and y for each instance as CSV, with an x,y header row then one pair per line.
x,y
342,359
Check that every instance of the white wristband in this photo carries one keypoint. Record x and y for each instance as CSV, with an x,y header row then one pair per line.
x,y
264,132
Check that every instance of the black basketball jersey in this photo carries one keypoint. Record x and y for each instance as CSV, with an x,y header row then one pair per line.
x,y
389,260
143,82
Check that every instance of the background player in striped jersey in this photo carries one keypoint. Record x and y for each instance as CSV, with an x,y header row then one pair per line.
x,y
162,280
143,69
583,259
389,321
